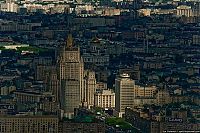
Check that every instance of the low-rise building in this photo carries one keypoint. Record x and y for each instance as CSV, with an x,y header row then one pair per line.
x,y
74,127
145,91
24,124
175,122
104,99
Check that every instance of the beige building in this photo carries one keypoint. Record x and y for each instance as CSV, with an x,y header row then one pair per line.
x,y
145,91
71,77
6,90
124,93
145,12
184,10
144,95
28,124
104,99
89,87
101,86
9,6
111,11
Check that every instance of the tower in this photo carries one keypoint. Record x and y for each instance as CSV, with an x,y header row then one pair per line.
x,y
90,87
124,93
71,77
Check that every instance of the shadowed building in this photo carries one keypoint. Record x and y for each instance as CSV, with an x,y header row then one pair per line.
x,y
28,124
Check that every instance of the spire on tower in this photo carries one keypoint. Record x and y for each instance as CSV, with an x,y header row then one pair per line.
x,y
69,40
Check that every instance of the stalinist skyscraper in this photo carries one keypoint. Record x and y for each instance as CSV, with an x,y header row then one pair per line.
x,y
71,77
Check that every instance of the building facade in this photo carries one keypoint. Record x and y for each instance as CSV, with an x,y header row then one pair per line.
x,y
124,93
71,77
29,124
184,11
104,99
80,127
145,91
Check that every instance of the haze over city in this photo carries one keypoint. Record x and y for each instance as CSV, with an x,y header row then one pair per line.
x,y
99,66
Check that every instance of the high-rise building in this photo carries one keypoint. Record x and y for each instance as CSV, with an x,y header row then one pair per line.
x,y
90,87
54,85
71,77
124,93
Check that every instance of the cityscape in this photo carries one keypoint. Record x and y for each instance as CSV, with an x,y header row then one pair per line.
x,y
99,66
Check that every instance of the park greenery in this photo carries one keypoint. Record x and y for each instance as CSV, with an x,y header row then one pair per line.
x,y
33,49
85,119
2,48
113,121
